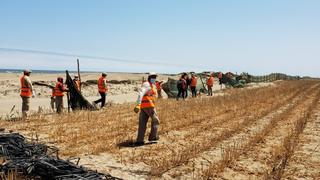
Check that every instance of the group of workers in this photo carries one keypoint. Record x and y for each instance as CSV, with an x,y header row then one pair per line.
x,y
145,104
27,91
186,82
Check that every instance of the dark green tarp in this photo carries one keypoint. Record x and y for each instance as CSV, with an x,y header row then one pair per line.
x,y
76,100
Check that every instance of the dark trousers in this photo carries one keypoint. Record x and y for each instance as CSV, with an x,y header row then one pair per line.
x,y
143,119
186,92
102,99
193,91
181,93
209,90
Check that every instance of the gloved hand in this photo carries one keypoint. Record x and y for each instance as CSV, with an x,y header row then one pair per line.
x,y
136,108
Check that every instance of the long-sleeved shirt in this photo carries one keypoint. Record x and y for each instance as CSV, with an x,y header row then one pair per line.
x,y
145,88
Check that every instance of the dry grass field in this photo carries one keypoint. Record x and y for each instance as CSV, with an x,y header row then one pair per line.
x,y
262,133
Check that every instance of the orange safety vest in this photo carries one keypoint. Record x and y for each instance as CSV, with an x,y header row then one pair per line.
x,y
148,100
101,86
25,88
158,85
210,81
193,82
57,89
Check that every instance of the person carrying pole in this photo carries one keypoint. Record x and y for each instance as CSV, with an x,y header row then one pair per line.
x,y
59,93
193,85
210,84
146,106
103,89
26,91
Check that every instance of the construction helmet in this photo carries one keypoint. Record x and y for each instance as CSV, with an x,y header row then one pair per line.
x,y
104,74
152,74
26,71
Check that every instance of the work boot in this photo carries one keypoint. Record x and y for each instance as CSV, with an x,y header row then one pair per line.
x,y
153,138
139,143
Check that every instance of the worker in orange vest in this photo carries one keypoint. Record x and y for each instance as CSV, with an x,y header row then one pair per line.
x,y
77,82
159,88
210,84
103,89
59,93
26,91
146,103
193,85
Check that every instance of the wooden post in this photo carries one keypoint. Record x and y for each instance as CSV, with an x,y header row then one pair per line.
x,y
78,65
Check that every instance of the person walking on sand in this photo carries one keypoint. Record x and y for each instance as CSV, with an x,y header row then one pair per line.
x,y
103,89
26,91
146,106
210,84
193,85
59,93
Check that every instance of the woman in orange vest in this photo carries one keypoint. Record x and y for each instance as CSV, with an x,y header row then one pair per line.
x,y
103,89
210,84
193,85
146,103
26,91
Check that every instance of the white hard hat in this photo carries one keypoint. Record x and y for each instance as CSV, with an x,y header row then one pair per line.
x,y
152,74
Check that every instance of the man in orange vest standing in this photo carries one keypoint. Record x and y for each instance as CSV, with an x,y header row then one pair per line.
x,y
146,106
103,89
26,91
210,84
59,93
193,85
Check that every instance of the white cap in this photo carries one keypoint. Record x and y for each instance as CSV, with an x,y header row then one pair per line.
x,y
152,74
27,71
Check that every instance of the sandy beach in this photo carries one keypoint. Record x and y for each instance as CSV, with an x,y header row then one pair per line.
x,y
118,93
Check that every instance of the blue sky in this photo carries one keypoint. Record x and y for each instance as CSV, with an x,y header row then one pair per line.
x,y
258,37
